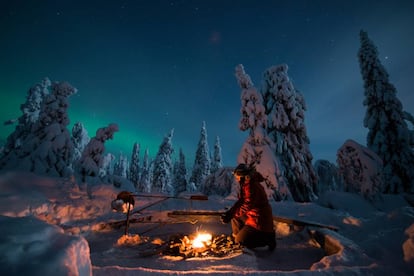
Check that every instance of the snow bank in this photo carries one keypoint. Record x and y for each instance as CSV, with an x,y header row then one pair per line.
x,y
54,200
374,238
340,250
350,203
29,246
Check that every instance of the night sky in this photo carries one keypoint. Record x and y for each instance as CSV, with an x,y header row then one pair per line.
x,y
151,66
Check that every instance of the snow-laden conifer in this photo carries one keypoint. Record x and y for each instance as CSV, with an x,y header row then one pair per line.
x,y
121,166
328,177
144,184
31,108
361,170
217,162
80,139
134,168
201,167
410,120
180,174
91,161
163,167
257,149
388,133
219,183
285,109
47,148
30,115
107,167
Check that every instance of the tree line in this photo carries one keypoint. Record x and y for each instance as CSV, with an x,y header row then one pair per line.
x,y
277,145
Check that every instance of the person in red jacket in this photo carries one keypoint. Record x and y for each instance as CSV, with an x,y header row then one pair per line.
x,y
251,216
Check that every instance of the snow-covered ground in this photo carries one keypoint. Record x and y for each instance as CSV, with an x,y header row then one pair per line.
x,y
53,225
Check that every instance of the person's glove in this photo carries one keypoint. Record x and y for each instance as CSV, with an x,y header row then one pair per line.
x,y
226,217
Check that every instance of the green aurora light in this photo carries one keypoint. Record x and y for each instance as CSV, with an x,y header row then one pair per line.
x,y
123,140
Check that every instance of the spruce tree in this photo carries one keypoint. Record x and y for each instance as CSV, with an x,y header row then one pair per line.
x,y
180,174
121,166
410,119
144,184
360,169
134,169
257,150
91,162
107,168
217,162
285,110
30,115
47,147
201,168
80,139
388,133
163,166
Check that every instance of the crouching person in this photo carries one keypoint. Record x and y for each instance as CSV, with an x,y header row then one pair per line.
x,y
251,216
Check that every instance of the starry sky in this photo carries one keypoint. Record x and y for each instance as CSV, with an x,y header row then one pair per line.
x,y
153,66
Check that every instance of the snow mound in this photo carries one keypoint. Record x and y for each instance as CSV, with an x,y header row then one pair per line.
x,y
57,201
350,203
29,246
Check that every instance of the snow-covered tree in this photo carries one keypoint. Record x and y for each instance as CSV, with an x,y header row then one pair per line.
x,y
285,110
121,166
219,183
91,161
30,115
361,169
328,177
410,120
47,148
163,166
80,139
1,151
134,169
107,168
258,148
217,162
144,184
201,167
32,107
180,174
388,133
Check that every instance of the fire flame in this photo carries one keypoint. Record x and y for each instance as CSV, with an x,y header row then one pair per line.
x,y
201,240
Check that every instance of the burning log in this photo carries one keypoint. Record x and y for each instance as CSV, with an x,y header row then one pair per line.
x,y
201,245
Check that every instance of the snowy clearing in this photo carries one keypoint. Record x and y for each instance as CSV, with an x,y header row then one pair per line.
x,y
51,224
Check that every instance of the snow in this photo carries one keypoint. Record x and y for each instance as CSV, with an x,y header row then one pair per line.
x,y
52,225
30,246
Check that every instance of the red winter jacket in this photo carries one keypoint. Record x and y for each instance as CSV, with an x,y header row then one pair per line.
x,y
253,205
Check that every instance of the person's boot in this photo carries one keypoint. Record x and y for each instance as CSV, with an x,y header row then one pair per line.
x,y
272,242
272,245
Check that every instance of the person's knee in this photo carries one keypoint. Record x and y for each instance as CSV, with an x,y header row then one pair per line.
x,y
245,236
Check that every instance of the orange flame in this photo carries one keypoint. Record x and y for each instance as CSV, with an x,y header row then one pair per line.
x,y
201,240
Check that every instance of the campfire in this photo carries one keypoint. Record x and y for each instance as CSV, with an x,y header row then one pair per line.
x,y
201,245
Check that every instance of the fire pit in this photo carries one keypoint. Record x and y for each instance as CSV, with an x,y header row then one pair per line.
x,y
201,245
